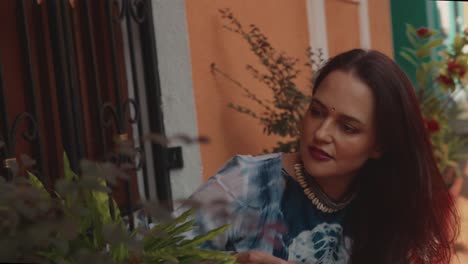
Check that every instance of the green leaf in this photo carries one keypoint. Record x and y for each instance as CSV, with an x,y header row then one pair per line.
x,y
101,202
423,53
38,184
198,240
162,255
120,253
410,32
432,44
157,243
433,64
421,77
69,174
410,28
169,226
458,43
187,226
410,51
407,57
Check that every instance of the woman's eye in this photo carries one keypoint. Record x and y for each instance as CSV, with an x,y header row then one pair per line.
x,y
315,111
349,129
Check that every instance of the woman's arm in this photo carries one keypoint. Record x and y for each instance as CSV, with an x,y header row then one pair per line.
x,y
258,257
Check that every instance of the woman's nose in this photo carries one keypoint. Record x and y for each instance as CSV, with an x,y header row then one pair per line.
x,y
324,132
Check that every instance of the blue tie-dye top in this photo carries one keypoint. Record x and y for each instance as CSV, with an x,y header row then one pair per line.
x,y
268,211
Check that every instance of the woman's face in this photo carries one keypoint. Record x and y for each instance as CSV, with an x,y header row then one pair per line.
x,y
338,131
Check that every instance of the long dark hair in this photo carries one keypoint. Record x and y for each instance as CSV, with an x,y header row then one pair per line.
x,y
403,212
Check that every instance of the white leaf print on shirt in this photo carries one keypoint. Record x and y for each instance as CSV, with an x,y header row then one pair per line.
x,y
322,245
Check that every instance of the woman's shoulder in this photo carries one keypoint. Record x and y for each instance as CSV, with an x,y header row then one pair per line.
x,y
249,178
257,159
247,165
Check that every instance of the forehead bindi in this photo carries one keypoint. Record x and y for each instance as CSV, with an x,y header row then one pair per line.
x,y
317,103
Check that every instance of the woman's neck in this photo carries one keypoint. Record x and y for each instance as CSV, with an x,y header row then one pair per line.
x,y
335,188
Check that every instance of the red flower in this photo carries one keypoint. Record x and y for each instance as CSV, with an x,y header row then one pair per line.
x,y
432,125
454,67
445,79
423,32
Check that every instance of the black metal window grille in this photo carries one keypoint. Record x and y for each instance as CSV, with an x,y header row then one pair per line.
x,y
95,54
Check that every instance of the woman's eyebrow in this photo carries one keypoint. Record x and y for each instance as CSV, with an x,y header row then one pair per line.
x,y
351,119
343,116
317,101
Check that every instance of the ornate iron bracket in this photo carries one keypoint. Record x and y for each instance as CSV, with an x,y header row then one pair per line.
x,y
10,140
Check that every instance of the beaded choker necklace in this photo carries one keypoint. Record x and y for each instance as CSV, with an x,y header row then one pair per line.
x,y
316,195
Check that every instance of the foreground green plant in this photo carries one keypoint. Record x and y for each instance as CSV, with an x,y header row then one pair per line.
x,y
73,224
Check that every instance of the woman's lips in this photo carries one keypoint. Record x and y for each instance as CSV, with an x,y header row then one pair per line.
x,y
319,154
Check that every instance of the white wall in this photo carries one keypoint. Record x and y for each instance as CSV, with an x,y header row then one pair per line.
x,y
175,71
317,25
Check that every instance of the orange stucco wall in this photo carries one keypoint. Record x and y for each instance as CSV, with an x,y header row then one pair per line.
x,y
342,20
343,25
285,24
380,25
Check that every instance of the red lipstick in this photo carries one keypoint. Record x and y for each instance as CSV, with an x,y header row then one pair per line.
x,y
319,154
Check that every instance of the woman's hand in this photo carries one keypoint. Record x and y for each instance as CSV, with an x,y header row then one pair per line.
x,y
258,257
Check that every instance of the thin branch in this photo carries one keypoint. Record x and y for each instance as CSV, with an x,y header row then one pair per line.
x,y
250,95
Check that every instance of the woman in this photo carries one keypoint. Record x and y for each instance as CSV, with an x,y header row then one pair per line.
x,y
364,187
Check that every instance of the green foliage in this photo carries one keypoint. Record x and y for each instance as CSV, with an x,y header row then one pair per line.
x,y
73,224
282,115
166,243
440,74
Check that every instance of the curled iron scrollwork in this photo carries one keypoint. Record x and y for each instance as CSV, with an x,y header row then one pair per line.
x,y
107,109
29,134
138,10
124,9
121,115
110,113
126,106
118,9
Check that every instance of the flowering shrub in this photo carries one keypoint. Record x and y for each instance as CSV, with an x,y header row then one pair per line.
x,y
440,75
72,223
